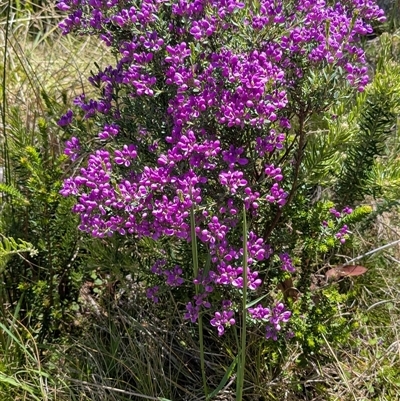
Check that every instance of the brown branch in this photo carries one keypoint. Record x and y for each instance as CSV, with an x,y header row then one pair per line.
x,y
300,153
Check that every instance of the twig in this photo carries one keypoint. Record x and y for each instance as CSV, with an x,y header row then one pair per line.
x,y
384,301
371,252
300,154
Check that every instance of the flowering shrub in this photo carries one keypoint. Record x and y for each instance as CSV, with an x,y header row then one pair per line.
x,y
205,114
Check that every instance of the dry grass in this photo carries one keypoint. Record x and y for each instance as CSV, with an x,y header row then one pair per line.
x,y
40,60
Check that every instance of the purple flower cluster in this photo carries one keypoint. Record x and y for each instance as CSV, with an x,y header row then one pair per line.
x,y
172,277
224,318
215,112
340,230
66,119
72,148
346,211
277,194
342,234
151,293
269,143
274,318
287,264
109,131
194,307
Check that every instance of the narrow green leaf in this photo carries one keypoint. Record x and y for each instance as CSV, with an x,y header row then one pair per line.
x,y
15,383
225,379
16,339
250,304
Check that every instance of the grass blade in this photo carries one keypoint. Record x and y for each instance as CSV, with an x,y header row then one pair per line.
x,y
225,379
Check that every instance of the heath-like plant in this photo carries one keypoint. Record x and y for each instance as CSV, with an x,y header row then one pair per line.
x,y
201,130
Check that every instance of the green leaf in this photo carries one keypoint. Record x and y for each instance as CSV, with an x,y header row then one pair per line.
x,y
225,379
250,304
18,384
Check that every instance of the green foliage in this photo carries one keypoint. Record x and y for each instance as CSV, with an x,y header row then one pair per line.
x,y
9,246
22,8
316,318
375,129
14,193
22,374
34,211
353,152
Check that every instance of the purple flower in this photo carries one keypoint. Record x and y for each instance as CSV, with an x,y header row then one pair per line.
x,y
342,234
334,212
287,264
271,142
233,180
233,156
222,320
193,308
274,173
151,293
172,277
109,131
274,318
72,148
192,312
259,312
126,155
63,6
157,267
347,210
66,119
277,195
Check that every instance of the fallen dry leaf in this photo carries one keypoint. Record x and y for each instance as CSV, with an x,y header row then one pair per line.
x,y
345,271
